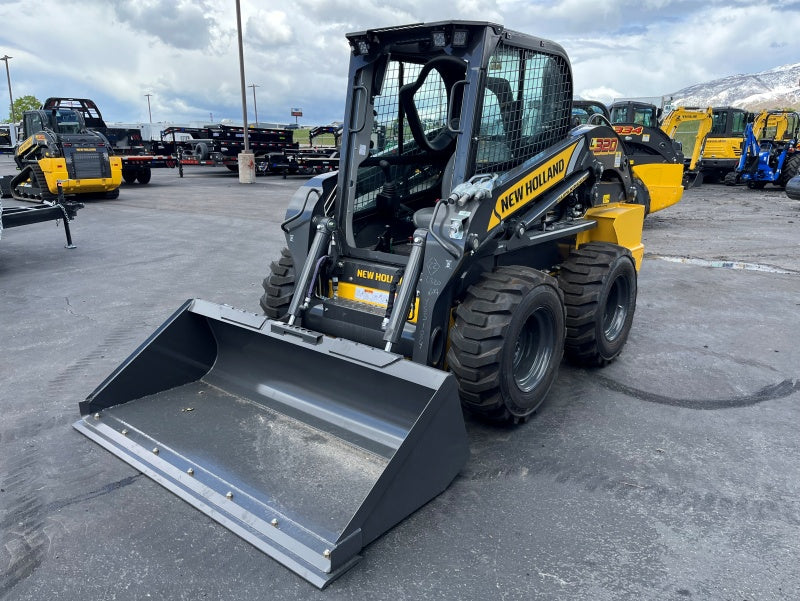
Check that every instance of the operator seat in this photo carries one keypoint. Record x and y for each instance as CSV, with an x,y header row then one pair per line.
x,y
422,217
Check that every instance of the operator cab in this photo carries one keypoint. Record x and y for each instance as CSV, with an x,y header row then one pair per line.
x,y
407,142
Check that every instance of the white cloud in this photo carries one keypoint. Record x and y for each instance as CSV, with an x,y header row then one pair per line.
x,y
184,52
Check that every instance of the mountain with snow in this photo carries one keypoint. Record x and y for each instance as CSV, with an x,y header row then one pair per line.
x,y
775,88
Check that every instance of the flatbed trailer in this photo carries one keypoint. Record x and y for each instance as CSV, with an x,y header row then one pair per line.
x,y
138,158
62,209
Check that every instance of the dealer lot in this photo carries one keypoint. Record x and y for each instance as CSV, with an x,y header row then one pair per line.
x,y
673,473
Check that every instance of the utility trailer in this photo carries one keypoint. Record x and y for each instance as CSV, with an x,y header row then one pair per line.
x,y
62,209
139,157
219,145
301,162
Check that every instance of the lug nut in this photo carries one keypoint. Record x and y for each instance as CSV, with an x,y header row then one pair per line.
x,y
326,553
190,471
229,495
274,522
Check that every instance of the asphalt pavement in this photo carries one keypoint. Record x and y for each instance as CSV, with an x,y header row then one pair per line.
x,y
673,473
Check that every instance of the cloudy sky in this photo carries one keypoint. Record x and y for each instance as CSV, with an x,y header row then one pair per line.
x,y
184,52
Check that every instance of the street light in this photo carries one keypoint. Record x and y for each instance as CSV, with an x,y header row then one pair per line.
x,y
10,97
247,164
149,114
241,74
255,106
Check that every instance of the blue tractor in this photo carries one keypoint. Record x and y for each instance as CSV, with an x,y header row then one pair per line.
x,y
770,153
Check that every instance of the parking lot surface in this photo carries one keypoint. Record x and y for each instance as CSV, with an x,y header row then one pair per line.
x,y
673,473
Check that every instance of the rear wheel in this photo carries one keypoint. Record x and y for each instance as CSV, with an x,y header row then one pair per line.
x,y
599,284
279,286
791,167
507,342
129,176
201,150
144,175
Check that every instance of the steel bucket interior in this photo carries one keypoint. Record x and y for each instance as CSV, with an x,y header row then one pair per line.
x,y
306,446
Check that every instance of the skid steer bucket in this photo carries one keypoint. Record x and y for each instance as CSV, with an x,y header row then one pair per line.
x,y
306,446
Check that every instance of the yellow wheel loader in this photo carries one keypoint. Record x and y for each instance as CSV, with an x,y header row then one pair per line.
x,y
470,240
59,151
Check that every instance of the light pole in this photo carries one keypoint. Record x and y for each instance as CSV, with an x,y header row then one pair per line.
x,y
247,164
241,74
255,105
10,97
149,114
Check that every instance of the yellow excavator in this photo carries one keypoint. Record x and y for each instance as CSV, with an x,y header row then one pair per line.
x,y
690,127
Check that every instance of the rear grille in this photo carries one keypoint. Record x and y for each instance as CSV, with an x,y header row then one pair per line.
x,y
88,165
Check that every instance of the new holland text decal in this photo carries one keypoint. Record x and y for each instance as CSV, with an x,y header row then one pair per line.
x,y
532,185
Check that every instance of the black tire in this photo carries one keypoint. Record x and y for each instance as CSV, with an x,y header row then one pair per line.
x,y
642,195
201,151
507,342
791,167
112,194
144,175
129,176
599,285
279,286
731,178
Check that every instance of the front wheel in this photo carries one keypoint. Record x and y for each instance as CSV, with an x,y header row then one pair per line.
x,y
791,167
279,287
642,195
599,284
731,178
507,342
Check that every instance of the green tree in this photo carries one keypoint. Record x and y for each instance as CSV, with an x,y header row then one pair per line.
x,y
22,104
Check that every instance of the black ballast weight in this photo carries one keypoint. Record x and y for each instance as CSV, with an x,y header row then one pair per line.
x,y
308,447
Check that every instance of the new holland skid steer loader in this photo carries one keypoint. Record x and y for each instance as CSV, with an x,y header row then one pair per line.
x,y
470,239
58,151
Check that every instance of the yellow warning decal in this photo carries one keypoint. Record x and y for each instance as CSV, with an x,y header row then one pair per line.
x,y
532,185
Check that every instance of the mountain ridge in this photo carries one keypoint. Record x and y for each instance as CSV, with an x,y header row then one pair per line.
x,y
774,88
